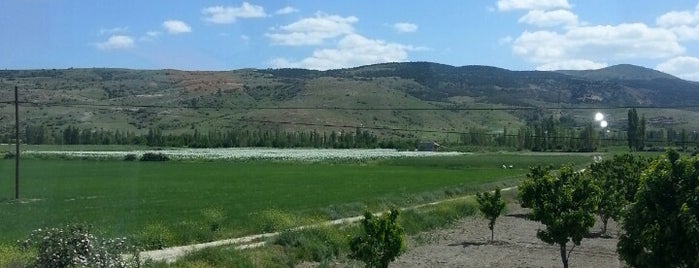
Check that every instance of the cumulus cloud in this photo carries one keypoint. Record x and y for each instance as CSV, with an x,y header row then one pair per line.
x,y
116,42
684,67
313,30
352,50
229,14
405,27
597,44
507,5
286,10
176,27
683,23
543,18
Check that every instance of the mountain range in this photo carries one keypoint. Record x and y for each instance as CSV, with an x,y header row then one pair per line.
x,y
411,99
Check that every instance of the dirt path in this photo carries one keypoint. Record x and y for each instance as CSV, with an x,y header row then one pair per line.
x,y
171,254
464,245
516,245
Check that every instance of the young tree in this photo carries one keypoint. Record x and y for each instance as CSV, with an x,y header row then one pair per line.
x,y
491,205
564,201
661,228
382,241
617,179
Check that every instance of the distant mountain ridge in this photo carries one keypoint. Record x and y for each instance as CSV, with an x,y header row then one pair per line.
x,y
620,72
402,95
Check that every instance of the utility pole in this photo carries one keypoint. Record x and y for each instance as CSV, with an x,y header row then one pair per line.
x,y
16,144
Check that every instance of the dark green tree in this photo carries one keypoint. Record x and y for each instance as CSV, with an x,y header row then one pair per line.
x,y
491,205
617,180
563,201
661,228
381,242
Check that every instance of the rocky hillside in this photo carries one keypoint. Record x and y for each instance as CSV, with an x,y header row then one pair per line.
x,y
389,99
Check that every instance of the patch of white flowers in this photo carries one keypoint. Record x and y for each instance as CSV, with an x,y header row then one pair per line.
x,y
75,246
252,153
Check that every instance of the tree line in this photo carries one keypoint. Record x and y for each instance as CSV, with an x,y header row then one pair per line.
x,y
277,138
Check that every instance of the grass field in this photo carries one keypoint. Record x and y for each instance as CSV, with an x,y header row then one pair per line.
x,y
122,198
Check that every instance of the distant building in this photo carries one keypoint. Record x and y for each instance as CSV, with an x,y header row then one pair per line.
x,y
430,146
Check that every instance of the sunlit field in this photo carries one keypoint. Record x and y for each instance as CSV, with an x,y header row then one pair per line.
x,y
124,198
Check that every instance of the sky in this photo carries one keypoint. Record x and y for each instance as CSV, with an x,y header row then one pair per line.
x,y
319,34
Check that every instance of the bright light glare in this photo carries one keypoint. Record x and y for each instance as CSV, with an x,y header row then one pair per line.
x,y
599,117
603,124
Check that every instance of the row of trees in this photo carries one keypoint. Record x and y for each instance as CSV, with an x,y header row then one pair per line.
x,y
216,138
655,202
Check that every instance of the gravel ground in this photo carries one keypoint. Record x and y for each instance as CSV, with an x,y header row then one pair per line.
x,y
516,245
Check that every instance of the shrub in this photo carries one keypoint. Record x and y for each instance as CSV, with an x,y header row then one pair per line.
x,y
73,246
381,242
14,257
155,236
272,220
316,244
214,218
130,157
154,157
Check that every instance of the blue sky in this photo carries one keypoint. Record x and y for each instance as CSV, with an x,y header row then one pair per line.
x,y
225,35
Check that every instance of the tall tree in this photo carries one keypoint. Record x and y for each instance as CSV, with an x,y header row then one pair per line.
x,y
565,202
632,128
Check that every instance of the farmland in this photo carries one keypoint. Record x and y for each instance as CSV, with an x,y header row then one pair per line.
x,y
122,198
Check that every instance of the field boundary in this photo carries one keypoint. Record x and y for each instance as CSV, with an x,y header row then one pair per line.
x,y
171,254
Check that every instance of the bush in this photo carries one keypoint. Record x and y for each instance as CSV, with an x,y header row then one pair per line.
x,y
73,246
130,157
316,244
155,236
382,240
154,157
13,257
216,257
272,220
214,218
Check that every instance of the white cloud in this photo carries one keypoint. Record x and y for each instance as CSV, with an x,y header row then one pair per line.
x,y
677,18
149,36
286,10
176,27
112,31
506,5
685,24
543,18
229,14
313,30
405,27
352,50
683,67
597,44
116,42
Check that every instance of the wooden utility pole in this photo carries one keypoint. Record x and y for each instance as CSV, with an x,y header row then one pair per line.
x,y
16,144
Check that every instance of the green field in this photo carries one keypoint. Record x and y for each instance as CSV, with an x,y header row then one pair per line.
x,y
122,198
